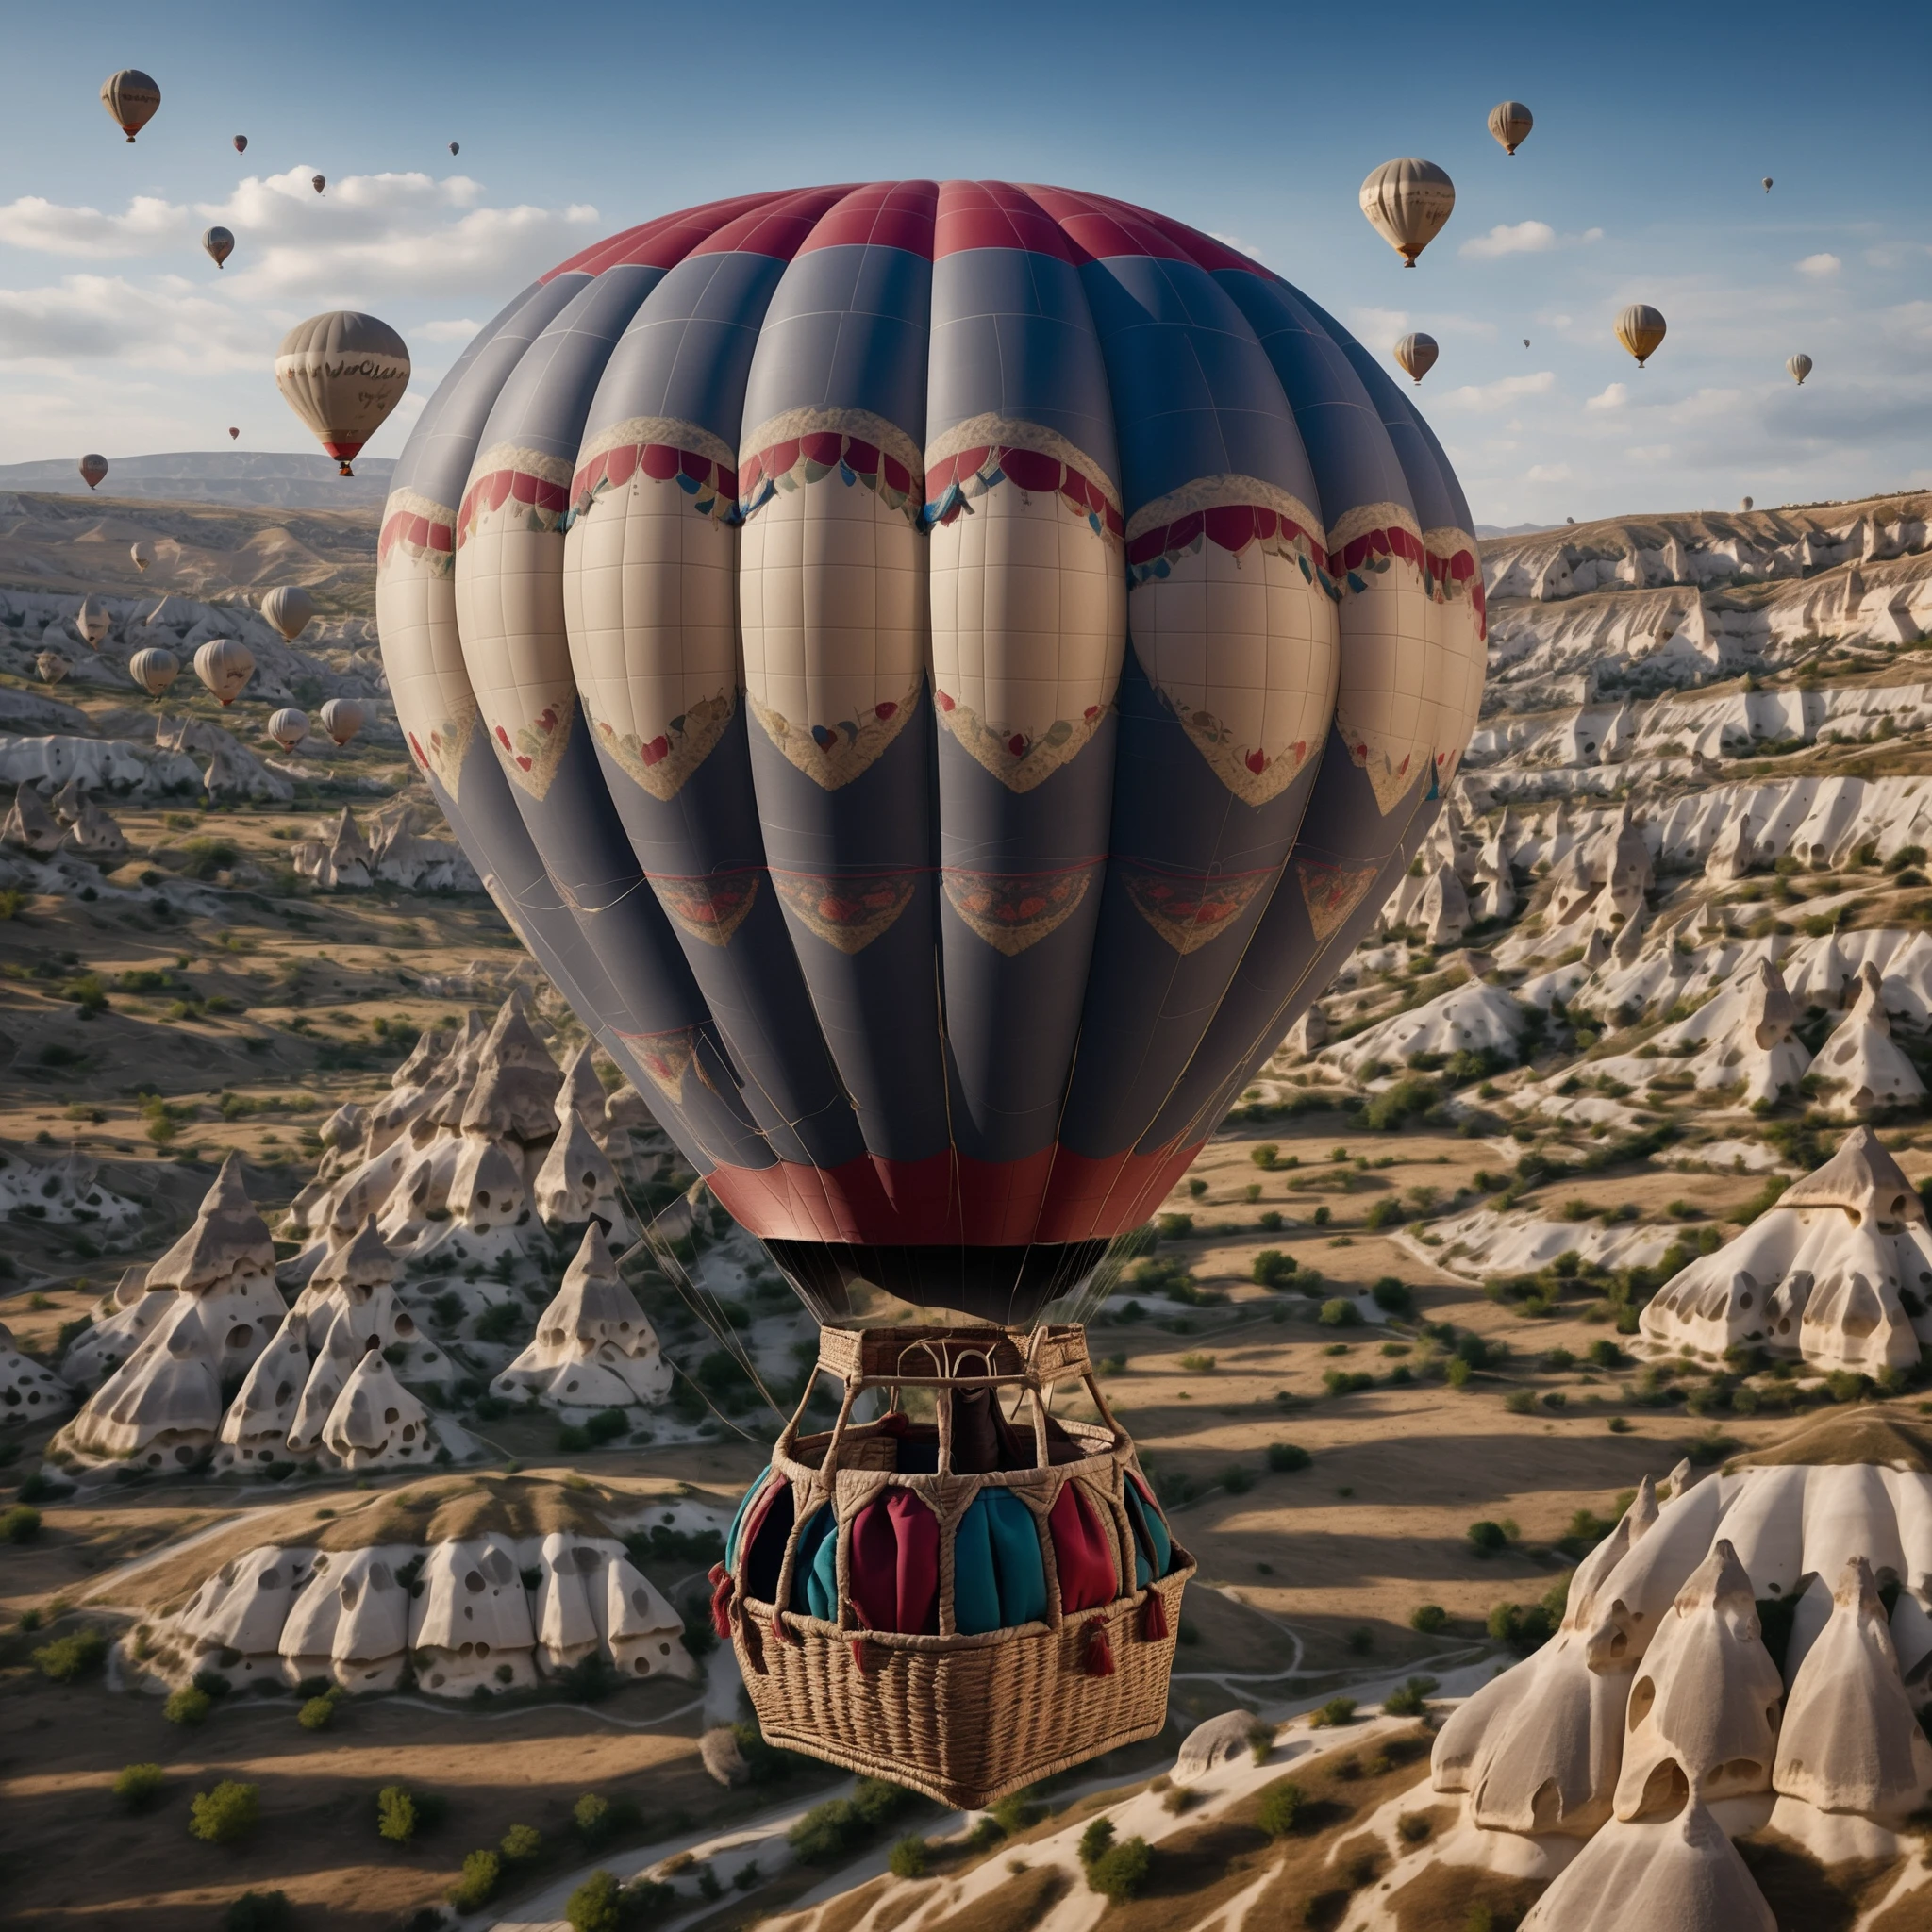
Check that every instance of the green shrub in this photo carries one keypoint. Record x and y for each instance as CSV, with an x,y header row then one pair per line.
x,y
1411,1699
907,1858
1386,1212
77,1654
1486,1538
1413,1826
225,1814
1427,1618
1273,1268
1393,1296
318,1712
140,1785
1339,1313
481,1873
20,1524
1334,1714
1121,1871
521,1843
189,1705
259,1911
1458,1374
596,1905
1095,1839
395,1813
1281,1804
1283,1456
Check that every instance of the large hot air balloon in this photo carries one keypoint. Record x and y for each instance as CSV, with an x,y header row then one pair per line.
x,y
1641,329
940,676
90,621
1510,122
92,469
220,244
318,182
1417,354
288,727
1800,367
52,666
154,669
224,665
341,718
1406,202
130,98
290,610
241,143
142,554
342,373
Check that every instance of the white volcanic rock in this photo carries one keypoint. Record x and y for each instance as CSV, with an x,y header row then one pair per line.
x,y
233,1623
590,1601
582,1093
403,856
1676,1874
1308,1034
29,1392
517,1082
337,858
1472,1017
594,1347
376,1423
642,1632
121,1317
254,1430
1443,911
351,1621
1631,1604
1861,1065
29,824
472,1624
101,764
577,1183
65,1192
1821,1275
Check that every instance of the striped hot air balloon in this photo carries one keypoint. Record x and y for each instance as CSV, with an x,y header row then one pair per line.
x,y
1108,622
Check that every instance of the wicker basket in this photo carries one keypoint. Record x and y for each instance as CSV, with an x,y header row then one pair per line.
x,y
963,1719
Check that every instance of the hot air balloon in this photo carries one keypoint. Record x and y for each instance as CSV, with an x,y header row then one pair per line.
x,y
289,609
142,554
1525,342
1747,503
936,1008
220,243
154,669
1641,329
341,718
52,666
92,469
241,143
1406,202
233,432
1510,122
90,621
130,98
1800,367
342,373
456,147
224,665
318,182
288,727
1417,354
1767,183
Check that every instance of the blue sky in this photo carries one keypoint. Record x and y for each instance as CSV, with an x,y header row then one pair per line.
x,y
1640,182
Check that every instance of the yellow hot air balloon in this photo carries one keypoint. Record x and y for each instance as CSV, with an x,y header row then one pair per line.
x,y
1800,366
142,554
224,665
1417,353
91,621
290,610
289,728
130,98
1641,329
1407,202
341,718
52,666
342,373
154,669
220,244
93,468
1510,122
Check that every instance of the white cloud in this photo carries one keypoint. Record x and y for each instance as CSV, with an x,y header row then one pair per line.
x,y
1235,242
1612,398
1549,473
1821,268
1522,238
459,330
150,225
88,316
1482,398
1591,235
1649,454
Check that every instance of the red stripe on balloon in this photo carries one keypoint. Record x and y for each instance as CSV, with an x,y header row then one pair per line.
x,y
882,214
777,229
995,214
661,243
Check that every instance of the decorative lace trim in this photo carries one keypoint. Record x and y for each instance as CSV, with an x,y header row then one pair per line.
x,y
532,756
1019,763
710,909
834,754
662,765
1188,912
1011,911
848,912
1332,891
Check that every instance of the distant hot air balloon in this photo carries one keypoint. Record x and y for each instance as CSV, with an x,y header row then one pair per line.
x,y
1406,202
288,727
1525,342
1767,183
220,243
289,609
142,554
1510,122
342,373
52,666
456,147
1748,503
93,468
318,182
341,718
1417,353
233,432
1800,366
1641,329
91,621
130,98
241,143
154,669
224,665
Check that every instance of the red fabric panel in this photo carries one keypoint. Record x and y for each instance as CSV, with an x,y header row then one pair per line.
x,y
995,214
661,243
891,214
895,1564
775,227
1082,1553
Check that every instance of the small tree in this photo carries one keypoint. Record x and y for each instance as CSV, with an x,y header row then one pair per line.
x,y
20,1524
1274,1269
1121,1871
1427,1618
1284,1457
259,1911
319,1713
140,1785
1281,1806
77,1654
908,1857
189,1705
1095,1839
395,1813
591,1814
521,1843
593,1907
226,1814
481,1872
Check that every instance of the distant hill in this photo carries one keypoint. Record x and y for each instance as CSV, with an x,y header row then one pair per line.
x,y
237,478
1481,529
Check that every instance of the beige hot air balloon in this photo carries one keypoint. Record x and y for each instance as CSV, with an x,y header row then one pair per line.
x,y
91,621
342,373
318,182
142,554
289,728
1641,329
1510,122
220,244
130,98
93,468
1417,353
290,610
341,718
1406,202
1800,366
52,666
224,665
154,669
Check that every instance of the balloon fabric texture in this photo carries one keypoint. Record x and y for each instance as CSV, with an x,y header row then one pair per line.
x,y
939,676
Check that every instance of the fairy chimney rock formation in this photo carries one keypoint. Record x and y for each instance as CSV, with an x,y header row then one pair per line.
x,y
582,1094
594,1347
1860,1063
517,1082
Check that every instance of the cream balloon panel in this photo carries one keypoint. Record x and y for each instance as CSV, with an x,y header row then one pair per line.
x,y
1459,655
1029,611
422,649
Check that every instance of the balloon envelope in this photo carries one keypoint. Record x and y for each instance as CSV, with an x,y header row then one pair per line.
x,y
52,666
241,143
154,669
220,244
1510,122
91,619
290,608
130,98
343,372
1417,354
318,182
288,727
93,468
224,665
1747,503
233,432
142,554
1767,183
1800,366
456,147
1406,202
1641,329
1098,679
341,718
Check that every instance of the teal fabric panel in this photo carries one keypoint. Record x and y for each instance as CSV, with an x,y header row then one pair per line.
x,y
976,1585
815,1569
744,1502
1153,1547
